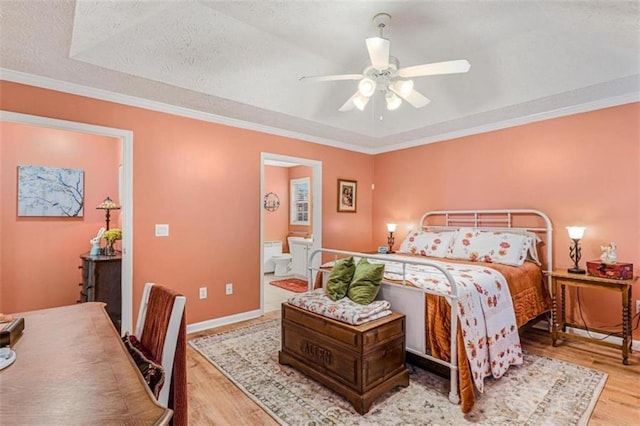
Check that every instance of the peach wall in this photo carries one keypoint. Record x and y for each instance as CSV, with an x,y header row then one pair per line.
x,y
580,170
203,179
276,223
40,256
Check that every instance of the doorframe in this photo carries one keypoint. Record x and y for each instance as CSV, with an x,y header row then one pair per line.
x,y
316,207
126,138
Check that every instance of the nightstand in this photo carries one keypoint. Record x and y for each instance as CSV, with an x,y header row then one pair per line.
x,y
562,278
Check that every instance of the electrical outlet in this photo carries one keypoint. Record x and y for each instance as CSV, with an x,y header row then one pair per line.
x,y
203,292
228,289
638,306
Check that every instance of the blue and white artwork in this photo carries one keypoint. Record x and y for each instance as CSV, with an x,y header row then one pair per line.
x,y
50,191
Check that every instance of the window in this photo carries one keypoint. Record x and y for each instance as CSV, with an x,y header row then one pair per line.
x,y
299,201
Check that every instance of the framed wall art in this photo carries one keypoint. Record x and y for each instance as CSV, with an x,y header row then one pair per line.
x,y
347,195
50,191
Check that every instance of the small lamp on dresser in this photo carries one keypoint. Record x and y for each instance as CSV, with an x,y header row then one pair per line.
x,y
575,253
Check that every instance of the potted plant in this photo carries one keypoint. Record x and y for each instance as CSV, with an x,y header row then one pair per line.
x,y
112,235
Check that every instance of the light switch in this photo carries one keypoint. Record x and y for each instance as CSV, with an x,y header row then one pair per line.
x,y
162,230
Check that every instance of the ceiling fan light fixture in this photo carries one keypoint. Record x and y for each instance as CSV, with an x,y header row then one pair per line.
x,y
385,75
360,101
366,87
402,87
393,101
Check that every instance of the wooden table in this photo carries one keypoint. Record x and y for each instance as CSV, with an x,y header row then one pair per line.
x,y
73,369
562,278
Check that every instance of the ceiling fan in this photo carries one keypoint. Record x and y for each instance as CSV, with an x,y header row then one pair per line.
x,y
385,75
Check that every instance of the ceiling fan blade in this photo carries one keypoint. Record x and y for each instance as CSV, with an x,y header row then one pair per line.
x,y
349,105
436,68
378,48
415,98
331,77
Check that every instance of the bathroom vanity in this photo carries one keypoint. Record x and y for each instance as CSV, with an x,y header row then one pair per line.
x,y
299,248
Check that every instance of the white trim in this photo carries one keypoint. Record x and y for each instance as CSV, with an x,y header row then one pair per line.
x,y
218,322
127,192
635,345
105,95
316,207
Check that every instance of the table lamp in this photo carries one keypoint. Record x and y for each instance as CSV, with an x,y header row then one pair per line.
x,y
575,253
391,227
108,205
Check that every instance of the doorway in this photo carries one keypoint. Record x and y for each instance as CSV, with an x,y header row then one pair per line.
x,y
316,207
126,182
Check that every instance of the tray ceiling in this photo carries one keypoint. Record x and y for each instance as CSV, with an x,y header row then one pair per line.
x,y
241,60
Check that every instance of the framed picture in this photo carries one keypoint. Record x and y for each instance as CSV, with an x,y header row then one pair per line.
x,y
50,191
347,195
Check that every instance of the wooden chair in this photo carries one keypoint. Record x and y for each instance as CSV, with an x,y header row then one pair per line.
x,y
159,325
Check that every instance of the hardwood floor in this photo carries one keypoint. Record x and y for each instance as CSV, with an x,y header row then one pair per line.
x,y
214,400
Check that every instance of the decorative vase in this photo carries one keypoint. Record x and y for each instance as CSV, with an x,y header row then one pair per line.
x,y
110,250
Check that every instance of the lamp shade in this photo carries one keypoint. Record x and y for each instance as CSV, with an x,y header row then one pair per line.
x,y
108,204
576,232
391,227
393,101
403,87
366,87
360,101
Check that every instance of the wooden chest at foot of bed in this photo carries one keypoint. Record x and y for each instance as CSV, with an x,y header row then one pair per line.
x,y
358,362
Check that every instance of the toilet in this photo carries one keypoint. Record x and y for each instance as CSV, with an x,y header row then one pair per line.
x,y
283,264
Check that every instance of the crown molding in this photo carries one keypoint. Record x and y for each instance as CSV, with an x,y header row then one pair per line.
x,y
627,98
105,95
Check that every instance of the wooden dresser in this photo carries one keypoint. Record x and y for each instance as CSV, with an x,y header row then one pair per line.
x,y
102,282
359,362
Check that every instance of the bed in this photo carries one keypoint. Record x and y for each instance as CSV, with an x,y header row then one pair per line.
x,y
465,301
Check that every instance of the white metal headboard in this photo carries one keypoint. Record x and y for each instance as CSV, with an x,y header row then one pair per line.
x,y
528,219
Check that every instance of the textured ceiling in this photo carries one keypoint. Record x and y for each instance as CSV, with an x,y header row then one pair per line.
x,y
242,59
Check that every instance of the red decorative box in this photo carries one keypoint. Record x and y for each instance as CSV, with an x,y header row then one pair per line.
x,y
616,271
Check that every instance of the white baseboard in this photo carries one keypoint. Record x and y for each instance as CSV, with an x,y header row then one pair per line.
x,y
544,325
231,319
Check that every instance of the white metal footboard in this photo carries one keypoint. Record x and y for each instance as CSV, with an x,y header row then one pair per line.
x,y
410,301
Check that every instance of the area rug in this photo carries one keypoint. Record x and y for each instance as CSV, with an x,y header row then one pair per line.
x,y
543,391
291,284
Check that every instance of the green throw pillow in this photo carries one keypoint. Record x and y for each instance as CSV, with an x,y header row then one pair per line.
x,y
366,280
340,278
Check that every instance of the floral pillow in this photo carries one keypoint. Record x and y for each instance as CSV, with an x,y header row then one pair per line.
x,y
530,248
427,243
489,246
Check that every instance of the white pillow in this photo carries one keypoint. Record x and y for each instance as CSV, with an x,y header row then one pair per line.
x,y
531,244
530,248
427,243
489,246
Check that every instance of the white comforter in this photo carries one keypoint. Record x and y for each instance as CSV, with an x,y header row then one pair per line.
x,y
485,309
